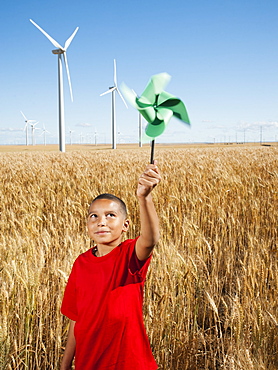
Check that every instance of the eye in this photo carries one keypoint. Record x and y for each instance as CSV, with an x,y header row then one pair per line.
x,y
110,215
92,215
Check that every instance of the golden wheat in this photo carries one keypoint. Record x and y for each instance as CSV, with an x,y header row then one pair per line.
x,y
211,293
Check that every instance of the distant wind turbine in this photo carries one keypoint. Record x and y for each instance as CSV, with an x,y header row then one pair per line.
x,y
61,51
95,135
26,125
44,132
70,131
113,89
33,128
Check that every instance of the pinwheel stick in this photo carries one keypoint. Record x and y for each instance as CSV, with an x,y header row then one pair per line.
x,y
152,151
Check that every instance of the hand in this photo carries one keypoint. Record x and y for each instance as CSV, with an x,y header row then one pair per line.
x,y
148,180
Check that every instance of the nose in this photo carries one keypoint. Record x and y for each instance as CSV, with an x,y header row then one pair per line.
x,y
102,221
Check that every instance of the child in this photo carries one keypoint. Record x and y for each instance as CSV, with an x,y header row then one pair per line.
x,y
104,295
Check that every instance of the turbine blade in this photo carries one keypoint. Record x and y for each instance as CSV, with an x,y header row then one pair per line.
x,y
68,73
108,91
69,40
115,73
24,116
118,91
54,42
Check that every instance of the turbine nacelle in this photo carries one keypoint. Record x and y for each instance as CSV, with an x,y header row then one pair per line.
x,y
58,51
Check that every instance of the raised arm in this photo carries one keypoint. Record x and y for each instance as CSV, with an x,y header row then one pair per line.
x,y
149,234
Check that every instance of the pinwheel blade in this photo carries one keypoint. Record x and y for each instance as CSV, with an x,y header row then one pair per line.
x,y
69,40
164,114
155,86
148,113
141,104
54,42
158,125
169,101
180,112
68,74
108,91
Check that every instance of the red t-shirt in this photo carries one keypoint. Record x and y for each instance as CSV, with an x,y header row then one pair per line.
x,y
104,295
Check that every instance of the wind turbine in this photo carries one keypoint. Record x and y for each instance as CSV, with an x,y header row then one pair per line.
x,y
113,89
60,51
26,125
44,134
33,128
70,131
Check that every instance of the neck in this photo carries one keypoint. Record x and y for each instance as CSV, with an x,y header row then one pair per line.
x,y
102,250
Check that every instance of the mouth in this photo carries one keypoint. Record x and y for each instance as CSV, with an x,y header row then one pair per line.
x,y
102,232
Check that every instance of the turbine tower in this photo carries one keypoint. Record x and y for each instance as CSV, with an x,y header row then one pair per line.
x,y
44,132
60,51
70,131
140,130
33,128
113,89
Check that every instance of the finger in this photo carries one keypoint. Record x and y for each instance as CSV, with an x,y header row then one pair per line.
x,y
151,174
149,180
153,166
146,180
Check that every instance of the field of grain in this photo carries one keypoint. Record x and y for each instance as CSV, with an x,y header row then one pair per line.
x,y
211,292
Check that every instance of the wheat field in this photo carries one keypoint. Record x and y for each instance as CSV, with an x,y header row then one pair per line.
x,y
211,291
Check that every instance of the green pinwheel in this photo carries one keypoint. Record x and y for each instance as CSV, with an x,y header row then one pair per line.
x,y
157,106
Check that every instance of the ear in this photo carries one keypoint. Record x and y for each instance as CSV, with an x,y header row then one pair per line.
x,y
125,226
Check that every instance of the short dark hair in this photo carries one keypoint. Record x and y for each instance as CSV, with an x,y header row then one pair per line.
x,y
114,199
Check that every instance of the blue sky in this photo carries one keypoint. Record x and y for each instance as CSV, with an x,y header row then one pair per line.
x,y
222,56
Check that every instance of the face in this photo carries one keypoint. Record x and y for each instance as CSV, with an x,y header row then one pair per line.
x,y
106,222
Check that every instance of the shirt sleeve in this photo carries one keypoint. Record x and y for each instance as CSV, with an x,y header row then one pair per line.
x,y
137,267
69,307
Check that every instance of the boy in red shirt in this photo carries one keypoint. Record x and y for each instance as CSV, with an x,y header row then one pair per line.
x,y
104,294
